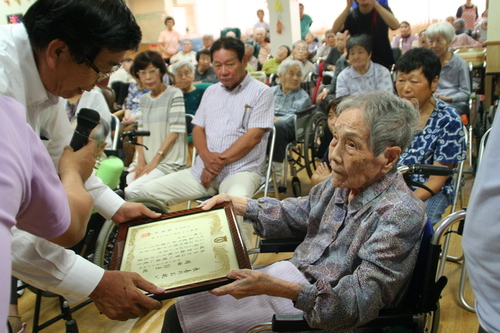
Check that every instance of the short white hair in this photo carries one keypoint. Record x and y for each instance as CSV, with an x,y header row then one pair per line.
x,y
444,29
285,64
178,65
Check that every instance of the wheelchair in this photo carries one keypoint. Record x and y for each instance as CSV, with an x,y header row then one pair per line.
x,y
303,152
419,311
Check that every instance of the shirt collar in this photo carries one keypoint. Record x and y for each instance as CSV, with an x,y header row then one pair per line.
x,y
371,71
242,85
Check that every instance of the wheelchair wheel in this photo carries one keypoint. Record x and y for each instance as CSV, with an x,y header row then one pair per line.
x,y
107,236
312,140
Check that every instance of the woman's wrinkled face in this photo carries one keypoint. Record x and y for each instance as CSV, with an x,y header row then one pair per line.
x,y
184,78
300,51
150,77
438,44
353,163
292,79
359,57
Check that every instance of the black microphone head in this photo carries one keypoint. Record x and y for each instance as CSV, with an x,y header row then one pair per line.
x,y
88,118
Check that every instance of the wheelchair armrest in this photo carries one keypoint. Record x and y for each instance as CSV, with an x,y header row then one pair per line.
x,y
290,322
295,322
279,245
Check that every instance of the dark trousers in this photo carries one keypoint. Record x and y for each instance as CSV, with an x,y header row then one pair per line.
x,y
285,133
171,323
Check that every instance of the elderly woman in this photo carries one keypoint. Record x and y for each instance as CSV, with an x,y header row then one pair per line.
x,y
300,53
362,228
184,75
454,82
289,98
439,139
161,111
271,65
363,75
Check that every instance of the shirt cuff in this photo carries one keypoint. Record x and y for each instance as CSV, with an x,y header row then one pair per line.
x,y
108,203
252,210
307,296
81,280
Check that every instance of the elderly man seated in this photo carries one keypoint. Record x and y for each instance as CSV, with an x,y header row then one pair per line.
x,y
362,226
289,98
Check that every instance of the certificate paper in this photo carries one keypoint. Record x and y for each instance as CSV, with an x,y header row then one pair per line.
x,y
188,252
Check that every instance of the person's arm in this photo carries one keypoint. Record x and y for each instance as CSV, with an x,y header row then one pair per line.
x,y
241,147
251,283
395,41
342,85
386,15
384,79
74,169
210,160
338,24
48,266
461,75
435,183
167,143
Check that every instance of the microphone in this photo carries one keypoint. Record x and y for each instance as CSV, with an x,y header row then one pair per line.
x,y
86,121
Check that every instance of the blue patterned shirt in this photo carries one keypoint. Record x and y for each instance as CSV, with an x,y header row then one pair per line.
x,y
358,255
441,140
285,105
133,97
350,82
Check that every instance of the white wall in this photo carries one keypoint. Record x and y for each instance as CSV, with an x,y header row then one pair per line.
x,y
13,7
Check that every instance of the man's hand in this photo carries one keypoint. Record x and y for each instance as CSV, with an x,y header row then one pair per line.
x,y
118,298
81,161
252,283
131,210
206,178
349,3
214,162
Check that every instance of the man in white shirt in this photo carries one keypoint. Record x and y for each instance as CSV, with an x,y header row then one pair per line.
x,y
61,53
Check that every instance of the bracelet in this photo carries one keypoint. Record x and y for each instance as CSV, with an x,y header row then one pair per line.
x,y
160,152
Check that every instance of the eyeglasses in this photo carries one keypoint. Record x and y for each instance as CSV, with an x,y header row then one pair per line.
x,y
150,72
101,76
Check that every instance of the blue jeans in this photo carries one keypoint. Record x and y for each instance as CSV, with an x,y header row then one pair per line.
x,y
436,205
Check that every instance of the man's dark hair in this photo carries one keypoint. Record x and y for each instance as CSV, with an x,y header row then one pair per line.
x,y
228,43
200,52
143,59
364,41
420,57
86,27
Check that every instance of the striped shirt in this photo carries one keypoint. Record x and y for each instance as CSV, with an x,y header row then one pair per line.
x,y
160,116
227,115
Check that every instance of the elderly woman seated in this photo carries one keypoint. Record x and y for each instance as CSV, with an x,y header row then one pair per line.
x,y
289,98
300,53
440,139
271,65
362,226
363,75
184,72
454,82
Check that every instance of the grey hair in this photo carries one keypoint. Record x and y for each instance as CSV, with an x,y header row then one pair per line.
x,y
441,28
100,133
392,121
178,65
299,41
260,29
459,24
285,64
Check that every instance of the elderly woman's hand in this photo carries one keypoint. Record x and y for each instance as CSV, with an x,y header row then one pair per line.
x,y
239,204
252,283
443,98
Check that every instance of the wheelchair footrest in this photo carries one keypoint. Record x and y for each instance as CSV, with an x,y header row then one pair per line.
x,y
290,322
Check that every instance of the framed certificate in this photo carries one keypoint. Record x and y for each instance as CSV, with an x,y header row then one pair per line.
x,y
184,252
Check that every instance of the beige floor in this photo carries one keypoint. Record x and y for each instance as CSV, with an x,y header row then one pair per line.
x,y
454,319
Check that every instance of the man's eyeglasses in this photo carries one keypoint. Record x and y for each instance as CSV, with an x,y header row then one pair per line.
x,y
101,76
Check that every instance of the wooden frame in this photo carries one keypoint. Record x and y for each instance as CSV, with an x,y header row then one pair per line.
x,y
185,252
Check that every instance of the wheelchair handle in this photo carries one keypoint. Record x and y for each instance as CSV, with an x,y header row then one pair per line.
x,y
425,169
134,133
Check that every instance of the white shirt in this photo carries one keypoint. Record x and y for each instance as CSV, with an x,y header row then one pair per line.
x,y
36,260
